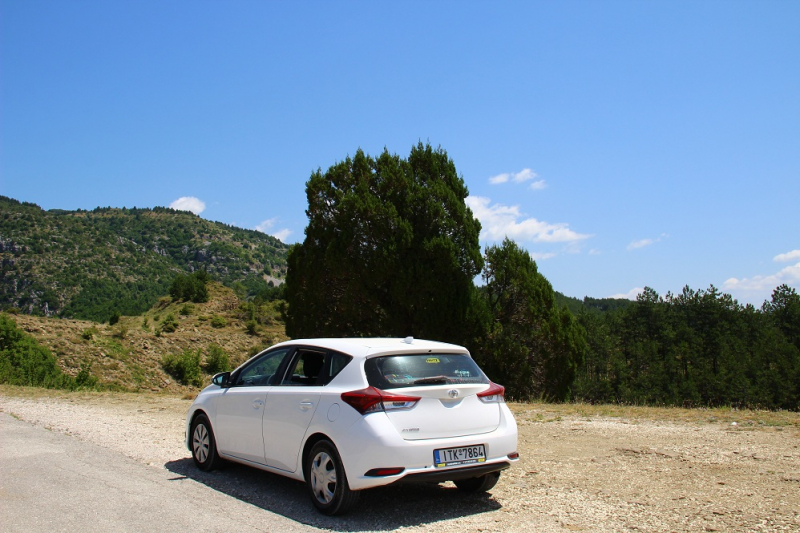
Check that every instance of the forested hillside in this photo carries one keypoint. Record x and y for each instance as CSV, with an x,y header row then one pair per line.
x,y
591,305
92,264
696,348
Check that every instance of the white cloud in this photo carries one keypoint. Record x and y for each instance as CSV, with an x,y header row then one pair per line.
x,y
281,235
268,224
189,203
595,251
789,256
543,256
630,295
499,221
265,226
789,275
640,244
522,176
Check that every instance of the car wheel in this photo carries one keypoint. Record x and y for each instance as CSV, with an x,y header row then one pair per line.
x,y
204,447
478,484
326,480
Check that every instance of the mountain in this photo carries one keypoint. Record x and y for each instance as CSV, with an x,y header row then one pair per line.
x,y
92,264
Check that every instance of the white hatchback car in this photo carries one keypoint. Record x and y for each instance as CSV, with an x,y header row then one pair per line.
x,y
351,414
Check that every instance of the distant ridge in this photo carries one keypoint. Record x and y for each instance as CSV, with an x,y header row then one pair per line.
x,y
91,264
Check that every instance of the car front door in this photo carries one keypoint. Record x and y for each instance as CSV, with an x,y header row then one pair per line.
x,y
240,407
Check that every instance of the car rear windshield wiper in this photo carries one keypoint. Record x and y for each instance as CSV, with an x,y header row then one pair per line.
x,y
435,380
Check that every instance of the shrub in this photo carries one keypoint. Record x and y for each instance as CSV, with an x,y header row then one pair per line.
x,y
217,360
121,332
85,379
169,324
184,367
187,309
218,322
191,287
114,318
89,333
252,327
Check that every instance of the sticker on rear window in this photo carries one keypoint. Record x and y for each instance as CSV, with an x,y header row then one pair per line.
x,y
432,360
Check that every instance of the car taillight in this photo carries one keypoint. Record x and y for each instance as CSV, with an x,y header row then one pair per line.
x,y
494,394
372,400
382,472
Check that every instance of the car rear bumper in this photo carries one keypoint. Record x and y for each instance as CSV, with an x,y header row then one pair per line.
x,y
453,474
373,443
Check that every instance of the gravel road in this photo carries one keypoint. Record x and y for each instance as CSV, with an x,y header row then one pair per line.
x,y
577,472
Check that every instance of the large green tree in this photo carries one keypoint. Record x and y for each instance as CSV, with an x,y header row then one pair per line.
x,y
391,249
531,345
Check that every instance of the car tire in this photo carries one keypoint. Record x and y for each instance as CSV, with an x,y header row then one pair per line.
x,y
478,484
327,481
204,446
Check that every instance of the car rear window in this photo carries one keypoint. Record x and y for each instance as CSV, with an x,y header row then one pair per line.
x,y
398,371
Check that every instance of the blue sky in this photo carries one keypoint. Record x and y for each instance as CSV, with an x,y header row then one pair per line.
x,y
623,144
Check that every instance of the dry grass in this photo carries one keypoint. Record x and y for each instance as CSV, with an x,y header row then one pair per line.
x,y
743,418
33,393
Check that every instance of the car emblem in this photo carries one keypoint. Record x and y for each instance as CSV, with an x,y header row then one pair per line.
x,y
453,393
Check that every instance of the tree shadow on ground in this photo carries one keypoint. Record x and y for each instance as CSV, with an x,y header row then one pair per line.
x,y
379,509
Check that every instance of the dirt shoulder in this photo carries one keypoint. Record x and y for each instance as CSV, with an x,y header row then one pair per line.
x,y
583,468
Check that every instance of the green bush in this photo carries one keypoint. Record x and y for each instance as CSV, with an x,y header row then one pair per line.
x,y
218,322
184,367
252,327
24,362
187,309
191,287
114,318
121,331
85,379
217,360
169,324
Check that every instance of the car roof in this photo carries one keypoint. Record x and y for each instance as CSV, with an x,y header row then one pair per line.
x,y
369,347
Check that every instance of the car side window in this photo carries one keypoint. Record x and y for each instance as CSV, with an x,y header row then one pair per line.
x,y
263,370
337,362
305,369
314,367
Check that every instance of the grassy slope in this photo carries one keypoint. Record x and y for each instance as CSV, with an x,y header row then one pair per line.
x,y
128,355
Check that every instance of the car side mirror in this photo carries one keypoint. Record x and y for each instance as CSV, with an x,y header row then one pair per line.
x,y
222,379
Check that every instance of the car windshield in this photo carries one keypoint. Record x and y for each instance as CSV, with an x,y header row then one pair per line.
x,y
398,371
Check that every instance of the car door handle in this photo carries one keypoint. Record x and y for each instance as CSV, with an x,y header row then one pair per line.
x,y
258,404
305,406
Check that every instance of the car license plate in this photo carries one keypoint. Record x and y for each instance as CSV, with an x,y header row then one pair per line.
x,y
464,455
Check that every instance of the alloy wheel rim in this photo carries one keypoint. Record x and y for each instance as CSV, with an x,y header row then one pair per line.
x,y
200,443
323,477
